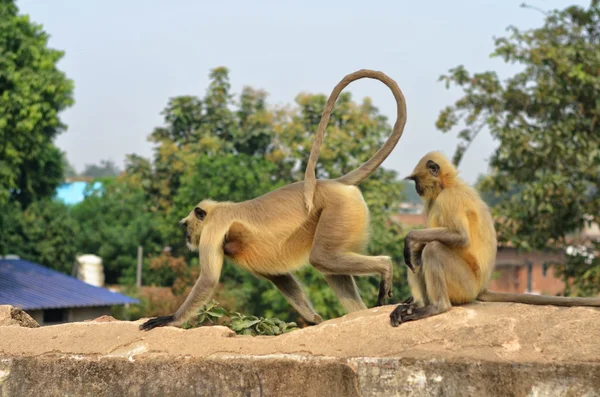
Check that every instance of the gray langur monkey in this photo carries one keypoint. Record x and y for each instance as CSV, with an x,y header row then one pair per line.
x,y
451,261
322,222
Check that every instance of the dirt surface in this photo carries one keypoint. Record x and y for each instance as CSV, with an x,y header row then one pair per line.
x,y
479,331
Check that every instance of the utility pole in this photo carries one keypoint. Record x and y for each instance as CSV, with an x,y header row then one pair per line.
x,y
139,266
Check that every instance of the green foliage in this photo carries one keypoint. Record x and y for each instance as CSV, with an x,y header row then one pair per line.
x,y
252,325
546,120
232,149
113,224
32,94
68,169
583,267
44,233
210,312
227,177
240,323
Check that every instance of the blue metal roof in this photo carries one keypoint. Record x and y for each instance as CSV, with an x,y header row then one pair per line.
x,y
30,286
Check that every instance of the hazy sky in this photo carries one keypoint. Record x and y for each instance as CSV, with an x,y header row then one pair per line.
x,y
128,57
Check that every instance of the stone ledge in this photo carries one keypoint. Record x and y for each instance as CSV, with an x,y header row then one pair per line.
x,y
12,316
483,349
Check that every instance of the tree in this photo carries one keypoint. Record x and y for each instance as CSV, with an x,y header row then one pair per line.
x,y
43,233
112,224
32,94
547,121
228,148
68,169
104,169
583,266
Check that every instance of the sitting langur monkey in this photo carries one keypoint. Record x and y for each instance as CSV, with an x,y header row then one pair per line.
x,y
323,222
451,261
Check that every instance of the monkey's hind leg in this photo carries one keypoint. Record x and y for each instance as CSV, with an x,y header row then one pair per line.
x,y
340,233
291,288
448,278
418,289
346,290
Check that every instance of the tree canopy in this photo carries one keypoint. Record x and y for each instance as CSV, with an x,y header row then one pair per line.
x,y
545,175
546,119
104,169
33,91
225,147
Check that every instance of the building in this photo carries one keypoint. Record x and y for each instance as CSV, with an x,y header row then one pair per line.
x,y
51,297
527,272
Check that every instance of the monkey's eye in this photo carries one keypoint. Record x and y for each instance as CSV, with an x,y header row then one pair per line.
x,y
200,213
433,168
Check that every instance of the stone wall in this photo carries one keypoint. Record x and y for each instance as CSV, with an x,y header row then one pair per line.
x,y
481,349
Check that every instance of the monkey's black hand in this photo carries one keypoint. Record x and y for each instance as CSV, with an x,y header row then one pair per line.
x,y
407,242
405,313
157,322
400,312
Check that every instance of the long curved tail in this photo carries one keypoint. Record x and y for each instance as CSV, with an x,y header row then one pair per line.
x,y
361,173
491,296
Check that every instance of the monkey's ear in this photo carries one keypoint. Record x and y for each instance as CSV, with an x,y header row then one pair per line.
x,y
200,213
433,167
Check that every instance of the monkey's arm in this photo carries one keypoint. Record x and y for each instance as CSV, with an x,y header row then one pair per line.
x,y
211,262
415,240
444,235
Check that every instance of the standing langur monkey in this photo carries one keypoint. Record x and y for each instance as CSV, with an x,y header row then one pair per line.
x,y
451,261
323,222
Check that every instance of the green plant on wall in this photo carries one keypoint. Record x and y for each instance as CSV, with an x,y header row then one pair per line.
x,y
242,324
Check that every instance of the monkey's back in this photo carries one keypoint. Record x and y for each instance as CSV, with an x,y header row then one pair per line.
x,y
278,238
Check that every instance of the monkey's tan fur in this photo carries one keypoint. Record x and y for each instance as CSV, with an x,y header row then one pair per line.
x,y
321,222
453,258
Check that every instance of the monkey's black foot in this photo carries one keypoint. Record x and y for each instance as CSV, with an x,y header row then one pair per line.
x,y
157,322
400,312
316,320
405,313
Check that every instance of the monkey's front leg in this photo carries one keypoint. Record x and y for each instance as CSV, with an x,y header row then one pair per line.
x,y
160,321
441,268
211,259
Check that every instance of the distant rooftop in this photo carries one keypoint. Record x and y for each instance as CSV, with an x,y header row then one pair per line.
x,y
71,192
30,286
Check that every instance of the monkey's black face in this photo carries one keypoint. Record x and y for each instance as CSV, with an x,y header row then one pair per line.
x,y
192,228
186,233
418,186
